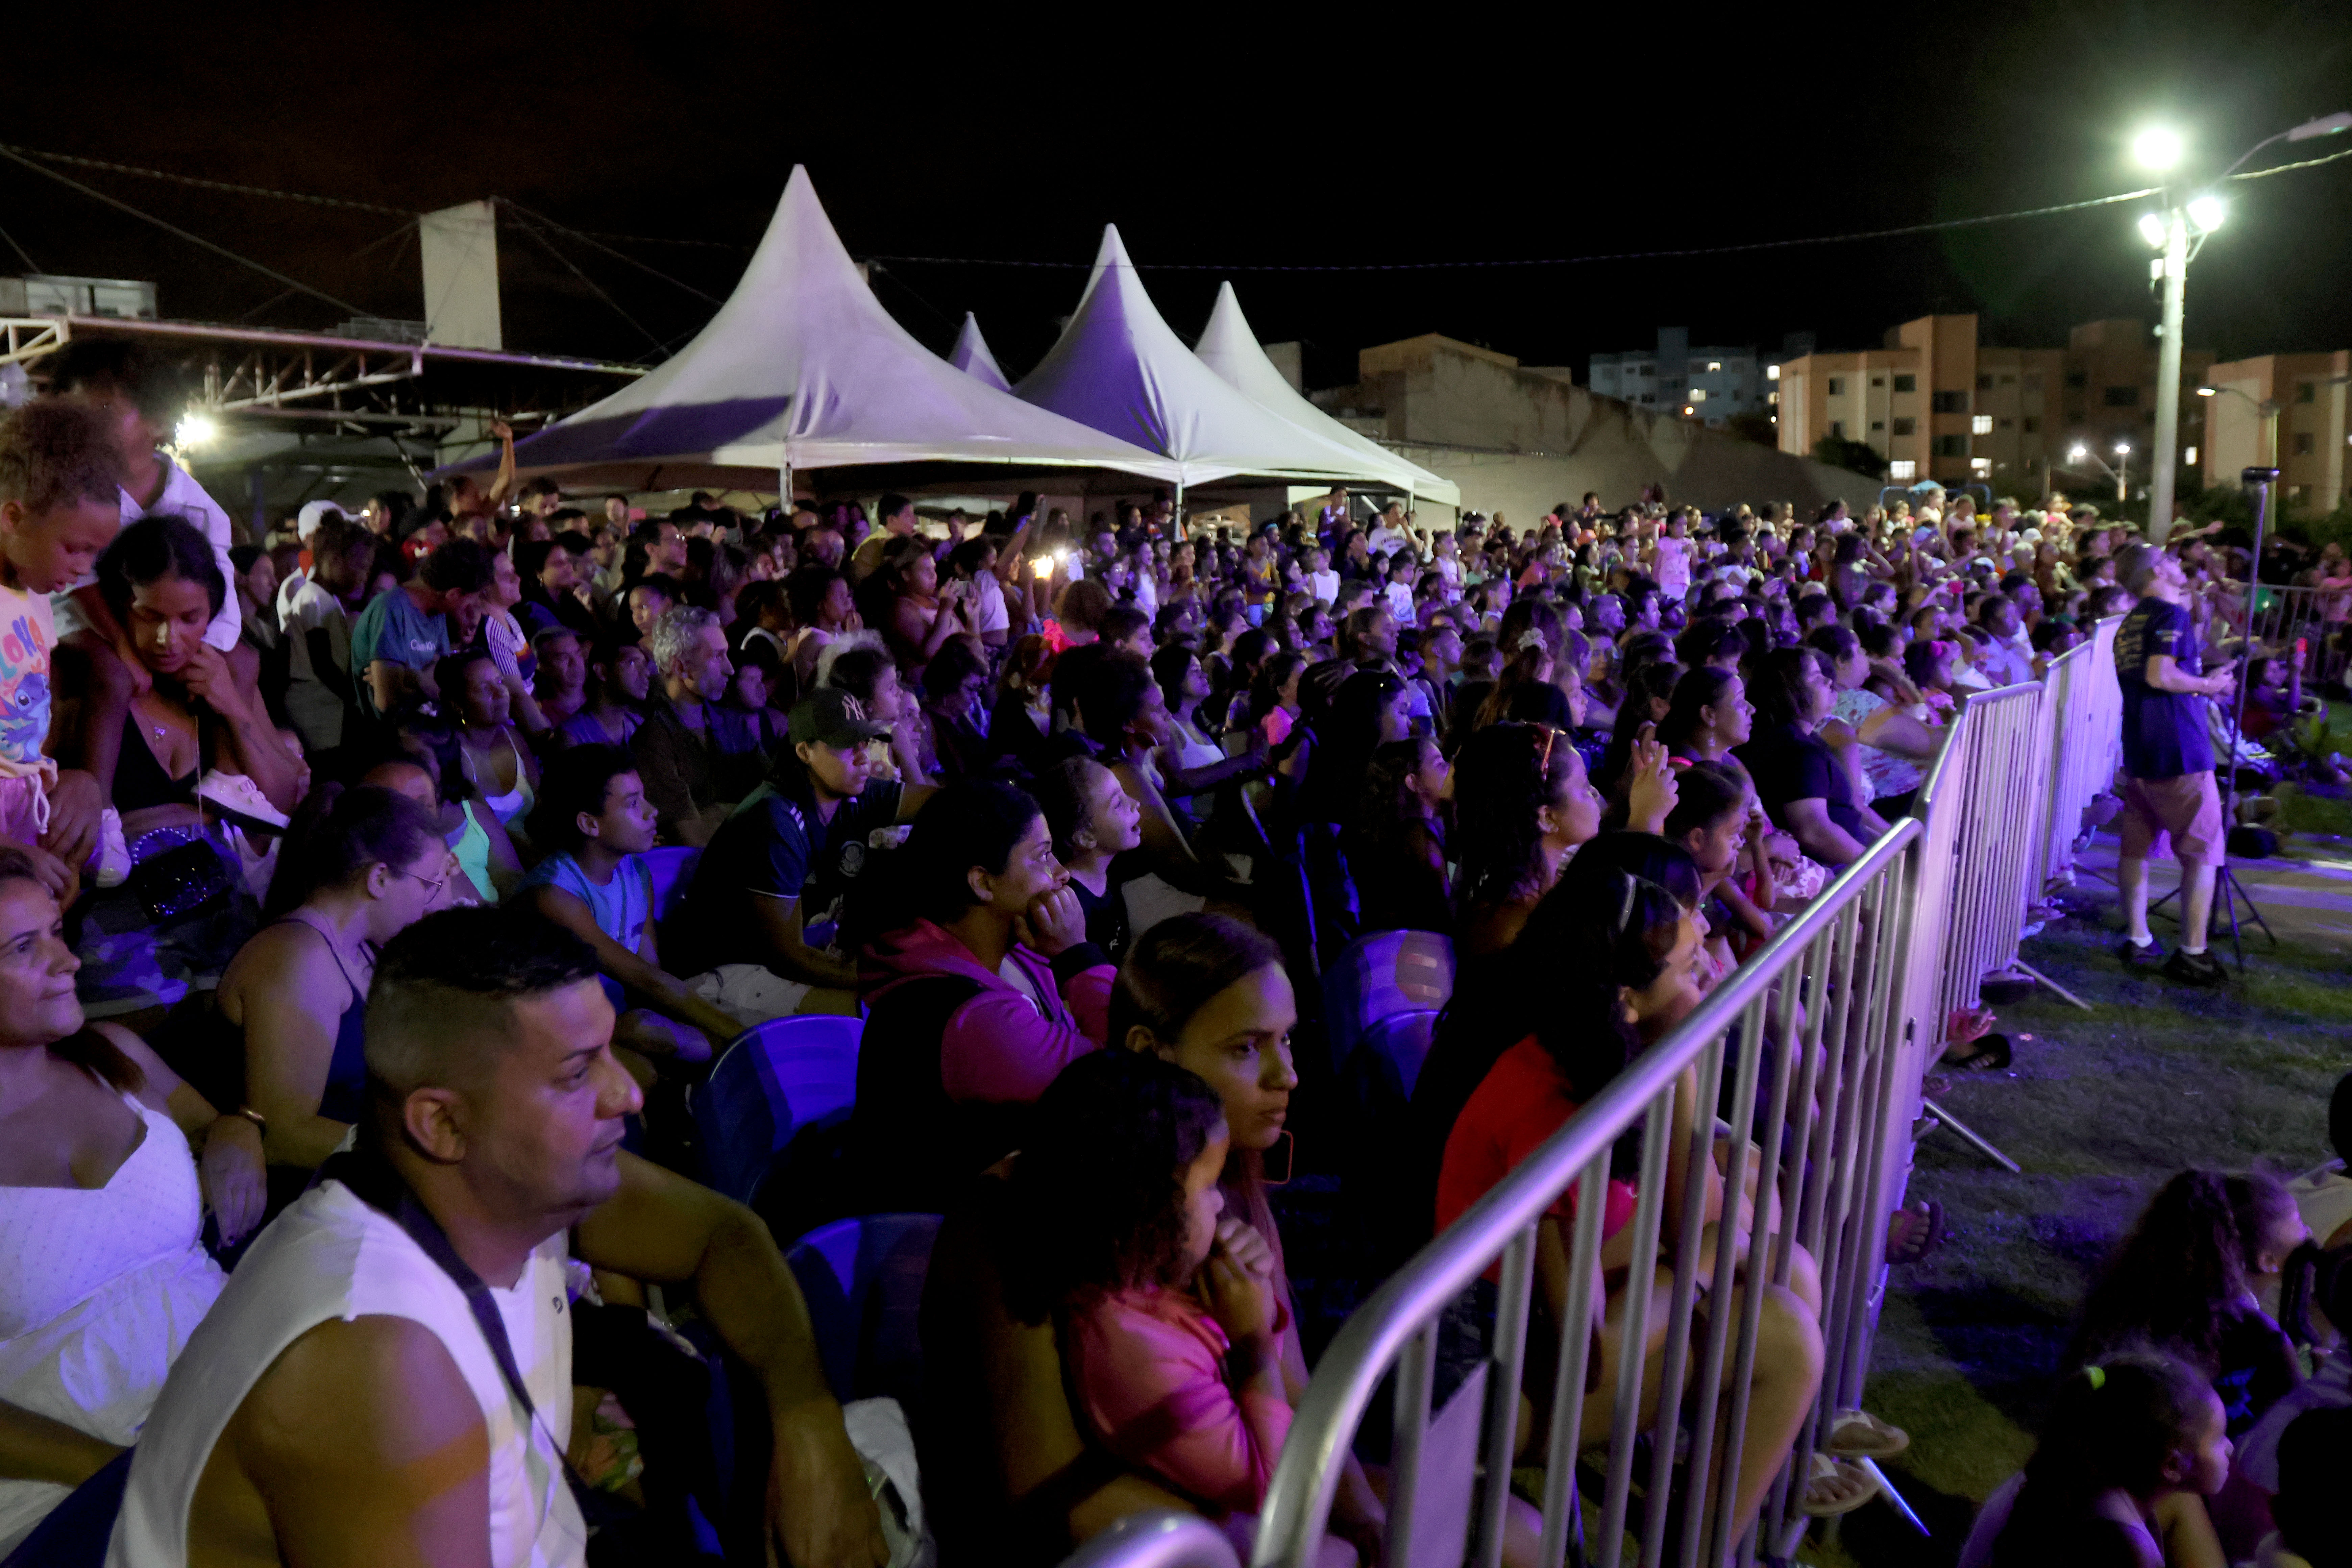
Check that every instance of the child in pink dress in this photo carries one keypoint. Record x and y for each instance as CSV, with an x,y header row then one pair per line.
x,y
1170,1318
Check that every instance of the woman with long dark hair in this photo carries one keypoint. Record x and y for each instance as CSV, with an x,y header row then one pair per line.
x,y
1804,785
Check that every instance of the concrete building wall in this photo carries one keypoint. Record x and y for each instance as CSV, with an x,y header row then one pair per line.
x,y
2302,432
1520,440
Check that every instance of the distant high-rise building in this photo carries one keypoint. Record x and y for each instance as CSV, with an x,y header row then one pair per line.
x,y
2286,412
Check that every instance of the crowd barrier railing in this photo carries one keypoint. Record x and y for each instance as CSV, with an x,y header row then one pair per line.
x,y
1159,1538
2281,617
1808,1036
2085,708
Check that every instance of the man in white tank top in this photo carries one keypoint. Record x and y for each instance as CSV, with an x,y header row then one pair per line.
x,y
387,1379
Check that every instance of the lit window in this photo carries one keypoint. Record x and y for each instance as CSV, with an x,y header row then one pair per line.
x,y
1698,394
1902,469
1980,467
1715,364
1981,424
1771,372
2192,457
1771,397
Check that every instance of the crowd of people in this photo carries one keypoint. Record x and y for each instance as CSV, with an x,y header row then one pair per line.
x,y
346,1167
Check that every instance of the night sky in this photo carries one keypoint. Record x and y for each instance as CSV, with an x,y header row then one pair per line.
x,y
1380,134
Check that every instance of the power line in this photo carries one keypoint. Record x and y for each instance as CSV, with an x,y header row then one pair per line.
x,y
1549,261
576,234
30,265
196,239
532,230
191,180
2283,168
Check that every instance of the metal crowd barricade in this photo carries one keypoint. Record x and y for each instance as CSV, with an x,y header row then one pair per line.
x,y
2315,615
1157,1538
2085,708
1994,772
1810,1032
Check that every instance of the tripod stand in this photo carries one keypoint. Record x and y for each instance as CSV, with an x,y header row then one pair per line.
x,y
2227,889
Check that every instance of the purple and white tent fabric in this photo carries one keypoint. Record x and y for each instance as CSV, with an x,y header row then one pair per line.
x,y
1120,368
1232,350
971,355
803,368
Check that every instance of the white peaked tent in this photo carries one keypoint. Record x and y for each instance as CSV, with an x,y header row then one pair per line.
x,y
971,355
803,368
1231,349
1120,368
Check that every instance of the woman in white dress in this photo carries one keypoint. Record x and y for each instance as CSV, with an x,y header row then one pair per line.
x,y
108,1162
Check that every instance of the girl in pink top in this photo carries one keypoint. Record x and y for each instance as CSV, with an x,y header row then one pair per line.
x,y
1170,1318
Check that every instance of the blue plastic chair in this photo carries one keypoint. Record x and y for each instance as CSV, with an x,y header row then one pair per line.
x,y
1385,973
777,1081
864,1281
672,871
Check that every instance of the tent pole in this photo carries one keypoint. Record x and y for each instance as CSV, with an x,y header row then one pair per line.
x,y
784,488
1177,520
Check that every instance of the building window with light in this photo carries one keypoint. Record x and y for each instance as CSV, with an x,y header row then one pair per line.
x,y
1981,424
1698,394
1771,372
1903,468
2191,459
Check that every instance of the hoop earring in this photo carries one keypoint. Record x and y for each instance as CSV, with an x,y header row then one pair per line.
x,y
1288,1142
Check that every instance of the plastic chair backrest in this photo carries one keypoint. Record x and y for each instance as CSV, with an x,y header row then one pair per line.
x,y
864,1281
672,871
777,1080
1393,1049
1386,973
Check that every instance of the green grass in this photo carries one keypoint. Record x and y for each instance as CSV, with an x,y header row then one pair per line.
x,y
2100,1108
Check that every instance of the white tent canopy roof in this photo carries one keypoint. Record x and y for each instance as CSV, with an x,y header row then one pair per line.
x,y
802,366
1120,368
1232,350
971,355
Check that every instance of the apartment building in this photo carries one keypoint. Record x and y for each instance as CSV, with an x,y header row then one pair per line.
x,y
1939,404
2280,411
1711,384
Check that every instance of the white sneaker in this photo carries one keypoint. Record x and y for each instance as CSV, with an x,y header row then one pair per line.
x,y
239,796
113,857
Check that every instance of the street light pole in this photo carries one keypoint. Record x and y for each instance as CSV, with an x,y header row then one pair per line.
x,y
2167,374
2159,150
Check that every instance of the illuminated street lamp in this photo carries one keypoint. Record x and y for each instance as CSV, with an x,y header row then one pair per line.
x,y
2159,149
2117,472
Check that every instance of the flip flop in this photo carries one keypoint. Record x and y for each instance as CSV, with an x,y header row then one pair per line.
x,y
1858,1432
1915,1231
1831,1489
1992,1055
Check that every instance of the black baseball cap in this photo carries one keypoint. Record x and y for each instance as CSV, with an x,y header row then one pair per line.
x,y
834,718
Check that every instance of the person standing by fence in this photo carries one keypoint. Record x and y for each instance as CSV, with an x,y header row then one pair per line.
x,y
2168,767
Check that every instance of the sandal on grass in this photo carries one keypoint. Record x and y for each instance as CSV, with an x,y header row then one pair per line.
x,y
1858,1432
1991,1054
1833,1489
1913,1232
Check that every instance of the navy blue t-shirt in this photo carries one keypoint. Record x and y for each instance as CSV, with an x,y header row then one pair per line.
x,y
776,847
2165,733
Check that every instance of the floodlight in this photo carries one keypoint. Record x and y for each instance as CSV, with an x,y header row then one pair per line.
x,y
2151,229
2123,448
2158,148
2207,213
196,430
2078,454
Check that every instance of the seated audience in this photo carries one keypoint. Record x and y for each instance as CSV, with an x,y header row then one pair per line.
x,y
361,865
2126,1440
679,746
769,892
614,702
422,764
501,769
1804,786
107,1166
972,1006
387,1375
403,634
595,826
1093,820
